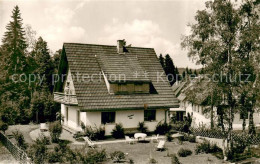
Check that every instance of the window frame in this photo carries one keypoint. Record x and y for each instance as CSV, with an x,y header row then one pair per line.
x,y
147,117
140,86
122,88
107,114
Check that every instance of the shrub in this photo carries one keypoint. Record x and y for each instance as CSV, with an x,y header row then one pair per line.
x,y
184,152
174,159
55,131
203,148
118,131
141,127
80,139
78,134
44,139
117,156
18,136
188,137
169,137
94,156
54,157
162,128
131,161
206,147
96,133
38,151
100,133
3,127
90,132
192,138
152,160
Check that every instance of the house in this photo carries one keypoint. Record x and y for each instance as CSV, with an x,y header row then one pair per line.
x,y
104,85
178,113
198,111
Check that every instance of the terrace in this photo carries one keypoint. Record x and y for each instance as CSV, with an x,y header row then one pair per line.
x,y
67,99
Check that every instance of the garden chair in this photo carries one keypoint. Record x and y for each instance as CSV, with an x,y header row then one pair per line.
x,y
129,140
43,127
89,142
155,138
161,145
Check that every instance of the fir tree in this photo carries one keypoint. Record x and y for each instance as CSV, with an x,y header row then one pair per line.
x,y
170,69
14,45
162,61
43,64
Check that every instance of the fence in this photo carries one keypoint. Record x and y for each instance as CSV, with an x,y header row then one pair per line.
x,y
17,153
216,133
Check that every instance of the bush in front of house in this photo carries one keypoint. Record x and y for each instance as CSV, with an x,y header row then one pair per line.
x,y
169,137
18,136
55,129
100,133
78,134
118,131
162,128
96,133
184,152
141,127
118,156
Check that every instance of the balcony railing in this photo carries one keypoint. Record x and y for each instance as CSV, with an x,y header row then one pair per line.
x,y
65,98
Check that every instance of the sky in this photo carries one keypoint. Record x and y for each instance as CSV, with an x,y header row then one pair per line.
x,y
142,23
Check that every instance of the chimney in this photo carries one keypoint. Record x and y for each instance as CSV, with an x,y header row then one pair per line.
x,y
120,46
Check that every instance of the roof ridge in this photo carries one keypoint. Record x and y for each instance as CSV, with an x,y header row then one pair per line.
x,y
104,45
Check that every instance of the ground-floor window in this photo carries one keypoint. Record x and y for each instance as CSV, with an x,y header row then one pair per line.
x,y
108,117
149,115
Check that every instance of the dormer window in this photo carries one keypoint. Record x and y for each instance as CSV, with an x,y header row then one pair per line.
x,y
132,88
122,88
138,88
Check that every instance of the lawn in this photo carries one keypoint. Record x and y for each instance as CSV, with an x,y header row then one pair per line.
x,y
141,153
24,129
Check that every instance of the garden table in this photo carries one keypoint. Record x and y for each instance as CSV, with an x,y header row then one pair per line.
x,y
140,136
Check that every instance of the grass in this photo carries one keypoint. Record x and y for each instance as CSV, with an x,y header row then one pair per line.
x,y
143,152
24,129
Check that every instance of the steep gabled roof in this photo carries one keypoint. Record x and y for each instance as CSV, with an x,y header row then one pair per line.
x,y
92,59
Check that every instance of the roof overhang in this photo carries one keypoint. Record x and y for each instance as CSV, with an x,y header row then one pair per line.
x,y
177,110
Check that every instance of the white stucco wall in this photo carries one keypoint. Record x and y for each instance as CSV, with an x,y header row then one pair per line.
x,y
94,119
71,121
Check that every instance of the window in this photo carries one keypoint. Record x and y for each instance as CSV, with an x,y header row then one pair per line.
x,y
149,115
108,117
244,115
138,88
122,88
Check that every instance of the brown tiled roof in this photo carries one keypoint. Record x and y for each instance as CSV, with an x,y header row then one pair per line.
x,y
92,59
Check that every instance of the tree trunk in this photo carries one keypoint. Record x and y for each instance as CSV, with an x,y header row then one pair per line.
x,y
251,126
